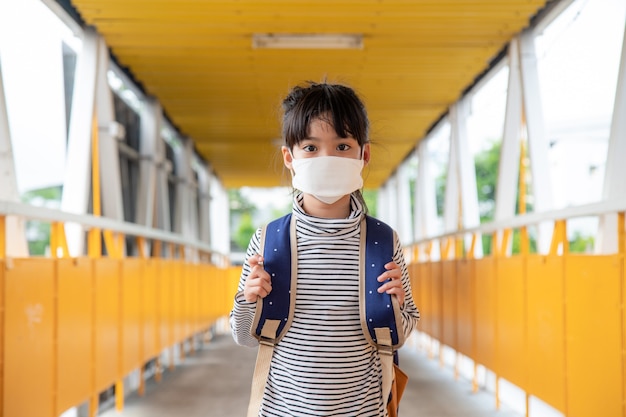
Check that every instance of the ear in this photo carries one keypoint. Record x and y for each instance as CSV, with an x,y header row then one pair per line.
x,y
287,158
366,154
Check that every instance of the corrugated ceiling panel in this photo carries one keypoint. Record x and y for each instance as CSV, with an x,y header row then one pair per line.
x,y
196,57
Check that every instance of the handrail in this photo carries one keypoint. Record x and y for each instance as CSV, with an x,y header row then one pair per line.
x,y
587,210
9,208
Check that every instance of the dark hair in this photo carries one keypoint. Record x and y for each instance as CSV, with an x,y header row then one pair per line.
x,y
336,104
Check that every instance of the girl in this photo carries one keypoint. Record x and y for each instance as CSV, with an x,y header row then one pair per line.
x,y
323,366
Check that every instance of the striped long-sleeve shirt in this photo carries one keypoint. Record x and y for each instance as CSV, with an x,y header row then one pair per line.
x,y
323,366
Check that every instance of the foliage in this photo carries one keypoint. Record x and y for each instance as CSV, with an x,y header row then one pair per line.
x,y
581,244
38,233
242,227
244,231
486,164
238,203
370,197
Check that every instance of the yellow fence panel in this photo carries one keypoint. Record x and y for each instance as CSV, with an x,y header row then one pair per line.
x,y
448,301
546,329
190,300
465,307
594,343
28,339
204,292
2,325
233,273
75,304
196,296
512,362
426,321
132,271
186,301
166,292
415,285
178,297
436,287
224,283
150,303
484,284
107,331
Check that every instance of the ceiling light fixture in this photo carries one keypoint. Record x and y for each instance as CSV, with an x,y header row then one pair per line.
x,y
306,41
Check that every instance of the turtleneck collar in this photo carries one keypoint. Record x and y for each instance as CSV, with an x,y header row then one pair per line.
x,y
353,220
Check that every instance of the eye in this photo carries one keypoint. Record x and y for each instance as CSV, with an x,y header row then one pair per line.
x,y
309,148
343,147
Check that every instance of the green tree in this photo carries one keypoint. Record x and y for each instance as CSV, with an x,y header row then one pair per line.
x,y
581,243
244,231
37,232
371,197
241,213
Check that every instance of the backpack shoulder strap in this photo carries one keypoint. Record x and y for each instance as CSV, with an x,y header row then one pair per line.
x,y
273,313
378,311
278,246
381,318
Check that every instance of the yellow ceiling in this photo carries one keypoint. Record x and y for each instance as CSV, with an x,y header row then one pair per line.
x,y
196,57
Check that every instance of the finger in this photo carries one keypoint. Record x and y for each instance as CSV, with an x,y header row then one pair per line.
x,y
398,292
257,288
391,265
254,293
389,285
392,274
262,279
255,260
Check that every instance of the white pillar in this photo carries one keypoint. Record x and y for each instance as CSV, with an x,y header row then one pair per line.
x,y
392,201
425,195
220,218
381,202
186,213
615,174
76,183
204,216
452,197
16,244
405,220
149,156
164,169
461,201
508,170
470,216
538,146
109,132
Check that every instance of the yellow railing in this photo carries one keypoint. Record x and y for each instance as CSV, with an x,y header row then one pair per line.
x,y
71,327
554,324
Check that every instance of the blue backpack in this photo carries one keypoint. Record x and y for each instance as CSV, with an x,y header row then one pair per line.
x,y
380,313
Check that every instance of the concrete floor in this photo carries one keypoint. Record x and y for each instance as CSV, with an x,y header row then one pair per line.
x,y
215,382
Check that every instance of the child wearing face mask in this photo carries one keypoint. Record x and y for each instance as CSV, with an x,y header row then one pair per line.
x,y
323,365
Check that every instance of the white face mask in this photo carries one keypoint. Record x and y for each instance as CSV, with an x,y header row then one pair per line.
x,y
327,178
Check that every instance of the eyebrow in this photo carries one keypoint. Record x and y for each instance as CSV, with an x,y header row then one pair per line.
x,y
338,138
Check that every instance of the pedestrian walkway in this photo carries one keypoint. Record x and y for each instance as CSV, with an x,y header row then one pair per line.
x,y
215,382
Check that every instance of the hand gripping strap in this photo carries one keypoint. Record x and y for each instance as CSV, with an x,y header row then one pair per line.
x,y
379,310
277,248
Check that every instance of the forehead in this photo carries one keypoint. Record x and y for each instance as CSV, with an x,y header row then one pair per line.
x,y
320,128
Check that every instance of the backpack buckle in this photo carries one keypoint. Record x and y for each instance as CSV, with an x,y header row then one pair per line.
x,y
267,341
385,350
